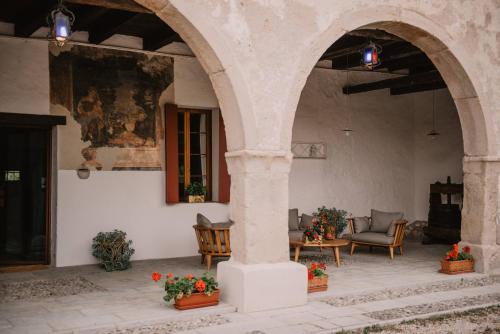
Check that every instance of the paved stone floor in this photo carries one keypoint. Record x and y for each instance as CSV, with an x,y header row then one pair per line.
x,y
367,289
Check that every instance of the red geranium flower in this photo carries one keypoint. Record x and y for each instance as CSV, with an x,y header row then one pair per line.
x,y
310,275
189,276
313,265
322,265
199,285
170,275
156,276
467,249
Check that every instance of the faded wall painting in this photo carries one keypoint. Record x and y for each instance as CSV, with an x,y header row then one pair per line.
x,y
112,98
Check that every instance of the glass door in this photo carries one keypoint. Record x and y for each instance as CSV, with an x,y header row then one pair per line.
x,y
24,196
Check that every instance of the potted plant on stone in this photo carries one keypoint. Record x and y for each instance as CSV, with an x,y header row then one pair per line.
x,y
457,262
189,292
317,279
196,192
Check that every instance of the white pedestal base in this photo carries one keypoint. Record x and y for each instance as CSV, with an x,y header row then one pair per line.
x,y
259,287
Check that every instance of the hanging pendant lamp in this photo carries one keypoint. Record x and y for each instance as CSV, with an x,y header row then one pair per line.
x,y
433,134
347,130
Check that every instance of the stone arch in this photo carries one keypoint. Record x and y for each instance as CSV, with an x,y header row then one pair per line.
x,y
228,85
477,120
469,92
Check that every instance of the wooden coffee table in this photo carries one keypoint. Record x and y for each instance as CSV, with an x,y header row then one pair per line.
x,y
335,244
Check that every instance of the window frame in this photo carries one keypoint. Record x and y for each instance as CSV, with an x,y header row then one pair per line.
x,y
187,112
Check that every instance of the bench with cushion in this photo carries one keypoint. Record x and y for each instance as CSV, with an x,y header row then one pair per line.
x,y
382,229
213,238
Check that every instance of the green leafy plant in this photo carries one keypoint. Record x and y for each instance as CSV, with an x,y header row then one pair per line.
x,y
332,218
196,189
176,287
113,250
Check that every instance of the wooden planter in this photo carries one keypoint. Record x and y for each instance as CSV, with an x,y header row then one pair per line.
x,y
196,198
197,300
457,267
319,283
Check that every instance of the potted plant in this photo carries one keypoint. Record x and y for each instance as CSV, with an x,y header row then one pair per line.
x,y
317,279
113,250
314,234
196,192
457,262
334,221
189,291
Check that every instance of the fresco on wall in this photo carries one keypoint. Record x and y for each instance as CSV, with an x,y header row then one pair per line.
x,y
113,98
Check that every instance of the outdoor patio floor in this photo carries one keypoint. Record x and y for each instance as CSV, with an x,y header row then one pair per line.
x,y
368,288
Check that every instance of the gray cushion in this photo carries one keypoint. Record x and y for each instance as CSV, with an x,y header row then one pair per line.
x,y
223,224
392,230
381,221
305,221
201,220
293,219
361,224
373,237
295,235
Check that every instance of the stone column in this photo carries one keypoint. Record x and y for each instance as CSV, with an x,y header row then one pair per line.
x,y
480,213
260,275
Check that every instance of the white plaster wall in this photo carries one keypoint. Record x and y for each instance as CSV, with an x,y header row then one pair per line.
x,y
133,201
438,158
24,76
387,163
192,85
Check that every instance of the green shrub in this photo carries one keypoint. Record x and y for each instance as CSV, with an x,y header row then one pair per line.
x,y
112,250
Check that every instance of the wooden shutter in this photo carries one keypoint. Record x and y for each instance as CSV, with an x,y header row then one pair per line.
x,y
171,154
224,179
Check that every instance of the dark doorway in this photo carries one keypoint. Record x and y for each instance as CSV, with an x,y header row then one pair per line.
x,y
24,195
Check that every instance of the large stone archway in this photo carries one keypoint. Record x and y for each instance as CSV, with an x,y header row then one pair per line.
x,y
259,54
479,130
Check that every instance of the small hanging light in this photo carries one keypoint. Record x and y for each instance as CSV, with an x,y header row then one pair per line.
x,y
370,55
347,130
60,21
433,134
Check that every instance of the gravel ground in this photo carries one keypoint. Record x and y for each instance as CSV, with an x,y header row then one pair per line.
x,y
409,311
36,289
407,292
478,321
171,326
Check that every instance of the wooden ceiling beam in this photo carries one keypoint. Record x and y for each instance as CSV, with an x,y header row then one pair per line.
x,y
418,88
156,40
87,16
33,19
403,81
126,5
108,25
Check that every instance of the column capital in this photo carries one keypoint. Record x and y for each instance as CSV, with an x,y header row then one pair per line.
x,y
258,161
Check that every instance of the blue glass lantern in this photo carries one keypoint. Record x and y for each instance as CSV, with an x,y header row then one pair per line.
x,y
370,57
60,21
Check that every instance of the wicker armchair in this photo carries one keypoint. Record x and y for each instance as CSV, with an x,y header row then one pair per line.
x,y
213,241
374,239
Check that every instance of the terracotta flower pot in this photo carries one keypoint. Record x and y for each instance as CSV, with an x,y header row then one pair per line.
x,y
318,283
197,300
457,267
196,198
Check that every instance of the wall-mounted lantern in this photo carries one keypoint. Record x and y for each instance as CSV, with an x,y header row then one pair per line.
x,y
60,21
371,54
